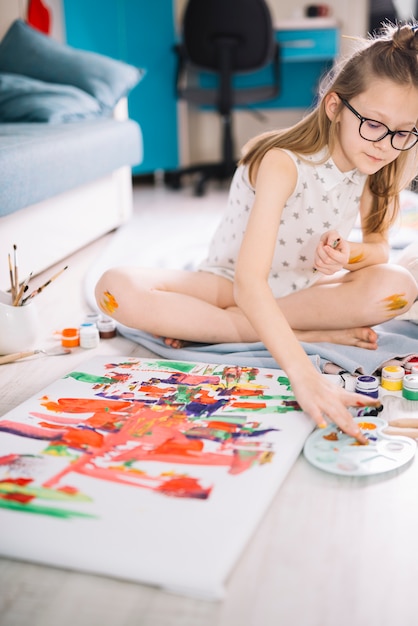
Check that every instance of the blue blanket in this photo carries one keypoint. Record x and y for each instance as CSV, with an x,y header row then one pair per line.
x,y
397,339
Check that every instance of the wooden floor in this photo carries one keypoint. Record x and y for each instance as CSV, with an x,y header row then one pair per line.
x,y
331,551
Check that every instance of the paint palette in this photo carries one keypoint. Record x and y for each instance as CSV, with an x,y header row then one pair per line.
x,y
333,451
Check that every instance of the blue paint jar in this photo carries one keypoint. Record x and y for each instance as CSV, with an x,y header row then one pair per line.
x,y
368,386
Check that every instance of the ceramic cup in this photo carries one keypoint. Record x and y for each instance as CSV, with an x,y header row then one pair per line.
x,y
19,326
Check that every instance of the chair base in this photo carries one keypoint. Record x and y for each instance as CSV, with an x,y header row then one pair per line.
x,y
203,173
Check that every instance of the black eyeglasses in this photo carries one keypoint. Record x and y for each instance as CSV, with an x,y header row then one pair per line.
x,y
371,130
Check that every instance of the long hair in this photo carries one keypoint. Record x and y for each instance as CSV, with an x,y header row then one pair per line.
x,y
391,55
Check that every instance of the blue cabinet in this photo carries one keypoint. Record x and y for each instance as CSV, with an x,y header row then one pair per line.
x,y
143,34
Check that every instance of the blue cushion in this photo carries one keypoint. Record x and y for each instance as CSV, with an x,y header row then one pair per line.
x,y
24,99
27,51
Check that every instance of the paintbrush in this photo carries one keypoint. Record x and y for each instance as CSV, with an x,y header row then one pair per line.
x,y
12,285
333,245
42,287
23,288
16,276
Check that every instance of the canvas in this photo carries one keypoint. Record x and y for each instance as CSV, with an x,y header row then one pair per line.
x,y
147,470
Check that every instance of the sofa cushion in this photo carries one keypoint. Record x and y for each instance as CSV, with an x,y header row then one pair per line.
x,y
24,99
40,160
27,51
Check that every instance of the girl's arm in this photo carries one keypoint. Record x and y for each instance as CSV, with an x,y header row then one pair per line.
x,y
375,247
275,181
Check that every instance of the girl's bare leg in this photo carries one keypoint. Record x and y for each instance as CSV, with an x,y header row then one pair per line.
x,y
192,306
354,301
199,306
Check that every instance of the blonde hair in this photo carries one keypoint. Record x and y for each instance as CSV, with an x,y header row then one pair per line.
x,y
392,55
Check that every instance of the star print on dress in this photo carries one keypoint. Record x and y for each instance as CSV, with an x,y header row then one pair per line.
x,y
324,199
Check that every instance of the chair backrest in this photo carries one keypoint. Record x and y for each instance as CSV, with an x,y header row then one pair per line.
x,y
245,25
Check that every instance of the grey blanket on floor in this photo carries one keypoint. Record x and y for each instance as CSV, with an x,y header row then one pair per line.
x,y
397,339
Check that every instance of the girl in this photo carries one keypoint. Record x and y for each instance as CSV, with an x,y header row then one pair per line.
x,y
280,268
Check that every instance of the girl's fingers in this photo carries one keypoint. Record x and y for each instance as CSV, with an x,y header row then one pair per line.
x,y
339,415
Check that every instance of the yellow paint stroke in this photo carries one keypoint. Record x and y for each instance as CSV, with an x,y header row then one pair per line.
x,y
395,302
108,302
356,259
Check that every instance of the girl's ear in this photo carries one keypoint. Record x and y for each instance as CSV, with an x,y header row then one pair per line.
x,y
332,105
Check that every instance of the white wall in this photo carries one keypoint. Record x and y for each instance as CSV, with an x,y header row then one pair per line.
x,y
405,8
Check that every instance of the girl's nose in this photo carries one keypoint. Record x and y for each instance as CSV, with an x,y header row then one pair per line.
x,y
385,143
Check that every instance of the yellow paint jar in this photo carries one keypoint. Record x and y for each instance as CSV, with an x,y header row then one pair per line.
x,y
392,376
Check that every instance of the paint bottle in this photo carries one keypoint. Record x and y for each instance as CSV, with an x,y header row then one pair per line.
x,y
411,363
70,338
89,336
91,318
107,327
368,386
392,376
410,387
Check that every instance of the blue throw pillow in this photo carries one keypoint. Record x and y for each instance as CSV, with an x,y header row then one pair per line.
x,y
27,51
24,99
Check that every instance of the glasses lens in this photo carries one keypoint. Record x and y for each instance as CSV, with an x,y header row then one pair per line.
x,y
403,140
373,131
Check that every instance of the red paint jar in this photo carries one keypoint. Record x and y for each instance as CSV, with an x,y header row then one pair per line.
x,y
408,366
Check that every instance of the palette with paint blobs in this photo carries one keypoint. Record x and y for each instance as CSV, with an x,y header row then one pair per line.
x,y
334,451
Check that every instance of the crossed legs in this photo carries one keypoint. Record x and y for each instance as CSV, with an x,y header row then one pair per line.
x,y
200,307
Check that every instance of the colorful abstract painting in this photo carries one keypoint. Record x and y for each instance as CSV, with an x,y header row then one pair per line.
x,y
148,470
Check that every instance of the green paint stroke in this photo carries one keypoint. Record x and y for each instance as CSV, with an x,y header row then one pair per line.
x,y
43,510
283,380
238,420
91,378
174,365
59,450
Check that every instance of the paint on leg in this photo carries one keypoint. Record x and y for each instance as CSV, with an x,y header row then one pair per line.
x,y
108,303
394,303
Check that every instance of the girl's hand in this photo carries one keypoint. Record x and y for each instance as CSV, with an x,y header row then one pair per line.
x,y
332,253
325,402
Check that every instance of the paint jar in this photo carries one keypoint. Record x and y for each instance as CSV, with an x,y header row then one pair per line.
x,y
410,364
19,325
392,376
107,327
70,338
410,387
368,386
89,336
91,318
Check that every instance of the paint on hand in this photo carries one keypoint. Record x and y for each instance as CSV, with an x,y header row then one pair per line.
x,y
356,259
395,302
108,303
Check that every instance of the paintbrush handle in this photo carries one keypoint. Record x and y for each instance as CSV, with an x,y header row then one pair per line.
x,y
9,358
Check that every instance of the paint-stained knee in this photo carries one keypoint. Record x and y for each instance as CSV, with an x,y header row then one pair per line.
x,y
401,291
105,298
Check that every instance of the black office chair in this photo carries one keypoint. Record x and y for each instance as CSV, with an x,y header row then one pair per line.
x,y
225,38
